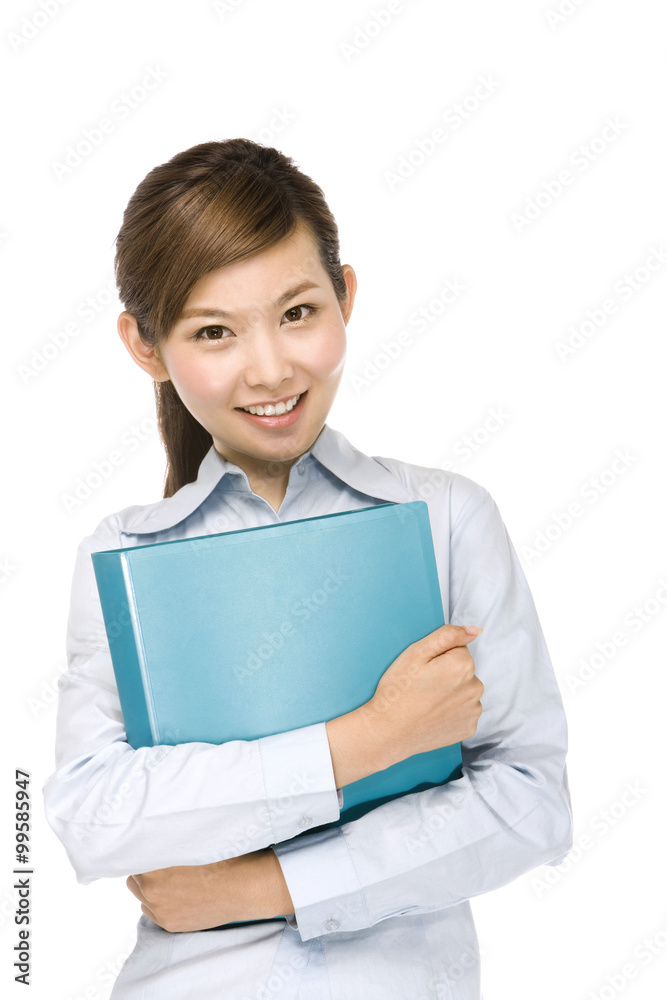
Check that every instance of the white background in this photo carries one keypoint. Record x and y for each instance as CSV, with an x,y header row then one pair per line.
x,y
347,99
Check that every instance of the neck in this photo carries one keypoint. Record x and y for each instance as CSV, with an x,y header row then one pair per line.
x,y
272,488
268,479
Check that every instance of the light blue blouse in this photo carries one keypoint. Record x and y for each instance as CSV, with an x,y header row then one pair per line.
x,y
381,903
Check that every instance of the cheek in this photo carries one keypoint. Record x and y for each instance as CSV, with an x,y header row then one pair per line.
x,y
327,356
199,381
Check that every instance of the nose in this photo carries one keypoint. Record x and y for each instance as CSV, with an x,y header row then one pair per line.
x,y
266,364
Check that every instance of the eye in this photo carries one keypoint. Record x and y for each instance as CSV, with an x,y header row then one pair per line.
x,y
217,330
299,309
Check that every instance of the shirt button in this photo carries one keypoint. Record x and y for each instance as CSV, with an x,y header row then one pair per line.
x,y
332,924
305,821
302,469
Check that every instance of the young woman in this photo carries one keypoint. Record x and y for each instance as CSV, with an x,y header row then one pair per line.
x,y
236,305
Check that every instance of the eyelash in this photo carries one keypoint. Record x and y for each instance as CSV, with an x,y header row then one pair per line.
x,y
198,336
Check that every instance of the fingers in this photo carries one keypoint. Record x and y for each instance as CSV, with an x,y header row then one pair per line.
x,y
448,636
133,884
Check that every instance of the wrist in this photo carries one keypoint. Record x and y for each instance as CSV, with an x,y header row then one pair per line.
x,y
265,891
390,744
360,743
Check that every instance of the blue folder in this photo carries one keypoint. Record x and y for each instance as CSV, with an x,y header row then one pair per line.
x,y
247,633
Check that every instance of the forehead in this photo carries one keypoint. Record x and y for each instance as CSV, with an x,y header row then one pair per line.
x,y
267,275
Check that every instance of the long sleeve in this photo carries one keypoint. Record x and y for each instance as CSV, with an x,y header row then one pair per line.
x,y
510,810
120,811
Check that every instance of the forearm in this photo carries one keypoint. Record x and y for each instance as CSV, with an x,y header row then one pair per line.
x,y
430,850
198,897
119,811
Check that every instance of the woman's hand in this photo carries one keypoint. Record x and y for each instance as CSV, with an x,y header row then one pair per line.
x,y
194,897
429,697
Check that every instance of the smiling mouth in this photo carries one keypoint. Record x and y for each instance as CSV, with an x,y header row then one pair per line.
x,y
274,409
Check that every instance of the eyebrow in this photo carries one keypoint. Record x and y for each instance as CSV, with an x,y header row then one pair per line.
x,y
221,314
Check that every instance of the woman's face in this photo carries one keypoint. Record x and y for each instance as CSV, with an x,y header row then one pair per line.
x,y
251,333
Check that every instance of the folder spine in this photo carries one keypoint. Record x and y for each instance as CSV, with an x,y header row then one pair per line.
x,y
119,608
431,567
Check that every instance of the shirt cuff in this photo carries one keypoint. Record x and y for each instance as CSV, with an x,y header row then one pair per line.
x,y
323,884
299,780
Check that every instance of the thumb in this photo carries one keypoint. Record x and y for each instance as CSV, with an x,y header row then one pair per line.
x,y
448,636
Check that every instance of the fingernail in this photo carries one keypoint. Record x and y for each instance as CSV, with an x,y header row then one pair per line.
x,y
473,629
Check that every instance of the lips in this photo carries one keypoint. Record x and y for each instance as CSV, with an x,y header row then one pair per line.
x,y
286,416
276,407
273,402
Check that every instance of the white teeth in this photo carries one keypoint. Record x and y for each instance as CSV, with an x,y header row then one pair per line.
x,y
270,410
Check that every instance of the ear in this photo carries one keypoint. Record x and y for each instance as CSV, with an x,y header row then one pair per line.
x,y
146,357
351,283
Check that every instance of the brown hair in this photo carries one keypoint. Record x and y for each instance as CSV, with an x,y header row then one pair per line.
x,y
210,205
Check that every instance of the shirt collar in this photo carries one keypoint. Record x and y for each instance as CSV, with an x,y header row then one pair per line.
x,y
331,448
